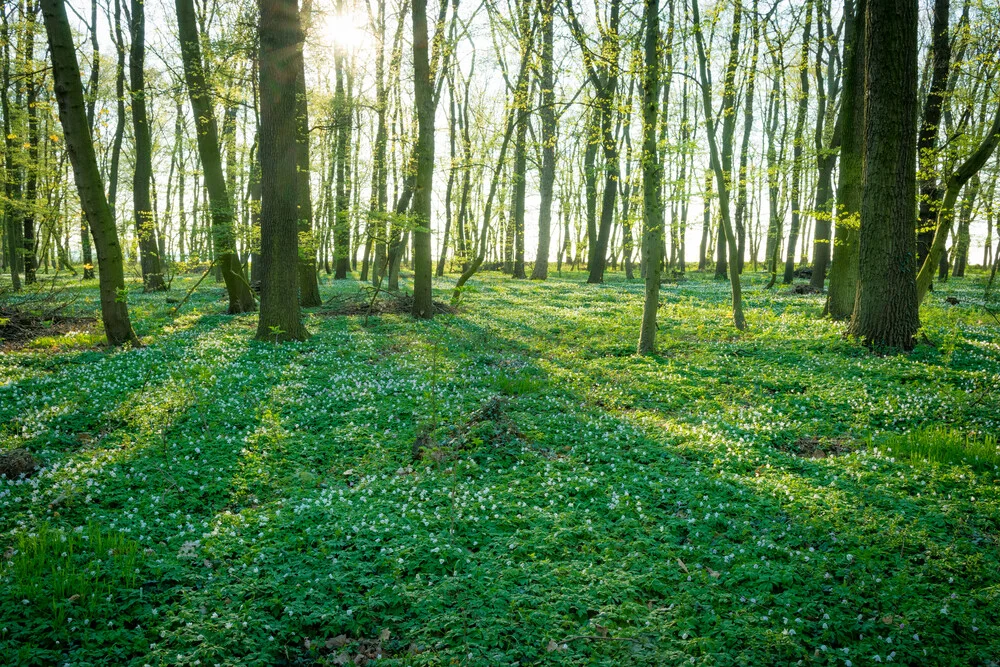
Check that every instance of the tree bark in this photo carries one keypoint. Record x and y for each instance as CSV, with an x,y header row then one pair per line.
x,y
280,55
308,280
739,321
72,114
800,122
652,175
844,266
886,310
241,299
145,225
547,175
930,193
423,93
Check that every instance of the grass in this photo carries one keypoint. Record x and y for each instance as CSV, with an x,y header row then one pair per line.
x,y
570,503
948,446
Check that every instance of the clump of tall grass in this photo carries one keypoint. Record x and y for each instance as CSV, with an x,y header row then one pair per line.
x,y
944,445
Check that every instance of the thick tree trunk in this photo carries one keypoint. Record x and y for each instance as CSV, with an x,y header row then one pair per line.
x,y
72,113
280,58
241,299
886,312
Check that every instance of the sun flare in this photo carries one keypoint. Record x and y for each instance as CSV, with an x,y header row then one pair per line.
x,y
345,31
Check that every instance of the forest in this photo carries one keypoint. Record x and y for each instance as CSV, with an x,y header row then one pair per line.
x,y
500,332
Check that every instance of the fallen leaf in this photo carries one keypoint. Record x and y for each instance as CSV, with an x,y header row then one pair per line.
x,y
384,635
712,573
336,642
683,566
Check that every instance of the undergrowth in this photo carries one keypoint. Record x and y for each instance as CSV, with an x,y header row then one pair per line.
x,y
778,496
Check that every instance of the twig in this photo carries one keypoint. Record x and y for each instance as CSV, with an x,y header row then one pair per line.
x,y
190,291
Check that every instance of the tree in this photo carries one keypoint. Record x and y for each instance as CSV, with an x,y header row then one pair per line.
x,y
602,70
72,114
722,181
886,310
241,299
652,174
955,182
940,54
145,226
800,122
280,53
423,93
308,280
842,291
547,113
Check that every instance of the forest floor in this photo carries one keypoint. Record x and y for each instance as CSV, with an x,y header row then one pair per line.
x,y
507,485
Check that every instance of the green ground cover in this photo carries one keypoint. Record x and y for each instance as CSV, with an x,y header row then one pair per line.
x,y
777,496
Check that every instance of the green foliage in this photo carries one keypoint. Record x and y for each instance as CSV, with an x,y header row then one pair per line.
x,y
587,506
945,445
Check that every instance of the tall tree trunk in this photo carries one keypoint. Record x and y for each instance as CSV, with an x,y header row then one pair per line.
x,y
93,90
423,94
739,320
450,188
116,143
590,180
379,190
149,256
800,123
72,114
964,222
603,73
29,203
241,299
930,193
886,311
280,65
827,140
308,280
844,266
652,174
547,175
741,185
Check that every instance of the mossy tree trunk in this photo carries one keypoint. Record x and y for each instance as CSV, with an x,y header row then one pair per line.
x,y
72,114
241,299
842,290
